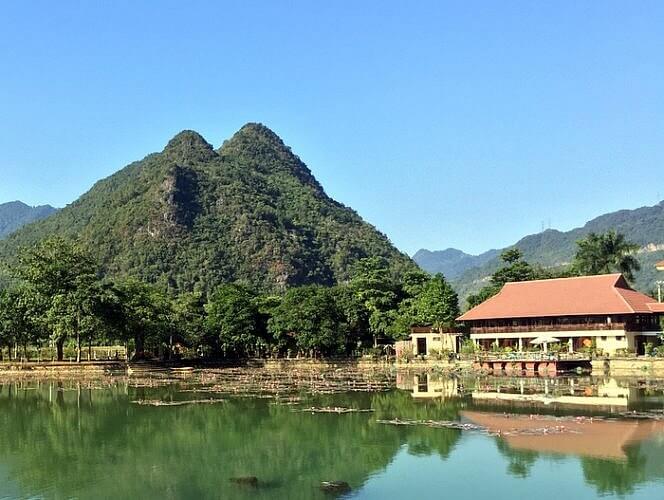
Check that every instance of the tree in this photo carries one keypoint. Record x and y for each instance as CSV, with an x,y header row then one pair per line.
x,y
63,275
376,290
265,307
232,319
437,304
189,319
20,318
144,315
426,301
606,253
355,317
309,320
485,293
515,269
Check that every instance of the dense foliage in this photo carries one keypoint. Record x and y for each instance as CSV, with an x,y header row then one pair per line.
x,y
606,253
60,297
192,218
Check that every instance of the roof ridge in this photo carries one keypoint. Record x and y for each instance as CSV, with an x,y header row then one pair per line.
x,y
629,306
596,276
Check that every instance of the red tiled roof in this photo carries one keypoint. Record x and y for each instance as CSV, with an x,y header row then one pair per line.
x,y
660,264
579,296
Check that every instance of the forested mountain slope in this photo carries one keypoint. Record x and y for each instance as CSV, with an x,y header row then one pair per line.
x,y
192,217
551,248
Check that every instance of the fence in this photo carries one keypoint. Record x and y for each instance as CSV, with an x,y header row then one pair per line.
x,y
532,356
41,354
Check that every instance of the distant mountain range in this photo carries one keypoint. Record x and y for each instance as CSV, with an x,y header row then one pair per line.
x,y
451,262
551,248
15,214
192,217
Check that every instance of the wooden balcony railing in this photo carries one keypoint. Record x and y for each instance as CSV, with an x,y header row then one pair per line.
x,y
565,327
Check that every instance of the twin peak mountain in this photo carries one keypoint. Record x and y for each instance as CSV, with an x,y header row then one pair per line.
x,y
192,217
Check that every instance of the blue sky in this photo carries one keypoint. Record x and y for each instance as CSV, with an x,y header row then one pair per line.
x,y
465,124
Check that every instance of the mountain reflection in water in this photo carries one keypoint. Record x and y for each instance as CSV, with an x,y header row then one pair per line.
x,y
88,440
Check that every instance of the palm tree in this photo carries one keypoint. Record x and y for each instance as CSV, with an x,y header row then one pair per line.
x,y
606,253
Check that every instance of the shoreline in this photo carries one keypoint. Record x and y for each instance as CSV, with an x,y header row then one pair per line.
x,y
653,367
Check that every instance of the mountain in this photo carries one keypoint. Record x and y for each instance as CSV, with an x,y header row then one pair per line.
x,y
551,248
192,217
450,262
16,214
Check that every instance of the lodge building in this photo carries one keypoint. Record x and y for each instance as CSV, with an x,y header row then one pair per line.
x,y
574,313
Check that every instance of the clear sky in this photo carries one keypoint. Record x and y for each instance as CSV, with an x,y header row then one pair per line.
x,y
465,124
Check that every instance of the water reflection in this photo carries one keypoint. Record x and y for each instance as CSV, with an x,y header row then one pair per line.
x,y
87,440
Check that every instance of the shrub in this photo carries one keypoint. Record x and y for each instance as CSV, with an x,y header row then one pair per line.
x,y
406,356
659,351
468,347
625,352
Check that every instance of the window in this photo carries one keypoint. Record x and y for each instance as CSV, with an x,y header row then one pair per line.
x,y
620,339
604,337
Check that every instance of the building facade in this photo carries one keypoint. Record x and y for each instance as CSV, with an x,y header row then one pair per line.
x,y
427,340
568,314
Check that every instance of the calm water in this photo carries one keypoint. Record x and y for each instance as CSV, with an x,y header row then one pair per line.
x,y
88,439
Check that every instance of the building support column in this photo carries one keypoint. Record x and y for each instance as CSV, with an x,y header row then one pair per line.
x,y
520,344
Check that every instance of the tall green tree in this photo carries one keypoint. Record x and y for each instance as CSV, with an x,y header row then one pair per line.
x,y
232,320
437,304
309,319
606,253
21,318
189,319
404,315
145,315
374,287
515,268
64,275
355,316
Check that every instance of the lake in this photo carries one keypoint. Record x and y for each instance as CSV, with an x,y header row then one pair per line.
x,y
410,436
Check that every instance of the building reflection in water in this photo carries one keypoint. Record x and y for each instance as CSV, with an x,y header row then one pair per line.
x,y
429,385
608,392
523,411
